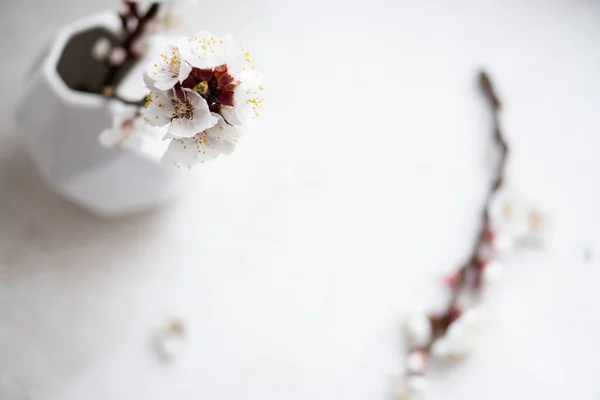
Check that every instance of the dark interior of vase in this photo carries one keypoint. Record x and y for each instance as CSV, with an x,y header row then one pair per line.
x,y
79,69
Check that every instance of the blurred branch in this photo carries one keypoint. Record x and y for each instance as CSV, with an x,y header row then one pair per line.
x,y
134,26
468,278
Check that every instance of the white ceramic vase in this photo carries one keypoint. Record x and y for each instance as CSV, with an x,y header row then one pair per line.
x,y
61,126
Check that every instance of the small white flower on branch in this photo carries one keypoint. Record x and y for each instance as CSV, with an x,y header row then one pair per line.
x,y
205,51
168,69
131,132
459,338
516,220
492,272
414,388
416,362
117,56
418,329
502,243
186,113
204,146
101,48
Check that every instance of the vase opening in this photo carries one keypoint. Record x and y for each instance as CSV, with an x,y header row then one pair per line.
x,y
80,70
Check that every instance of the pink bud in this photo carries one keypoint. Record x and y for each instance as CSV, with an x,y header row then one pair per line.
x,y
117,56
139,47
488,236
416,363
101,48
452,279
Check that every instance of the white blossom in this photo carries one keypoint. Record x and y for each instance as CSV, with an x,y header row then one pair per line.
x,y
516,220
168,69
180,18
204,146
247,101
416,362
502,243
186,113
130,132
117,56
414,388
492,272
205,50
459,338
418,329
248,98
101,49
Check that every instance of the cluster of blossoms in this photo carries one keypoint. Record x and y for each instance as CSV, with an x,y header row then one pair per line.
x,y
203,90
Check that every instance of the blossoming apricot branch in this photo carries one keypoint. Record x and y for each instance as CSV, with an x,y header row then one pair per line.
x,y
504,222
135,25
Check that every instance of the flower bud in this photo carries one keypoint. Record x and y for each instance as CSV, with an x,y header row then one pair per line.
x,y
416,362
100,49
117,56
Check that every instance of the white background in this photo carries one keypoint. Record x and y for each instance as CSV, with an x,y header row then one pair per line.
x,y
293,262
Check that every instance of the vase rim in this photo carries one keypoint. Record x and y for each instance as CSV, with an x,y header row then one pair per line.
x,y
105,19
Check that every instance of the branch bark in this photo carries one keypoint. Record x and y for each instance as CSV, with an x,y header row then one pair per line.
x,y
115,72
473,265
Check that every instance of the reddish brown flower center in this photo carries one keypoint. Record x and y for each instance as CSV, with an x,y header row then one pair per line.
x,y
215,85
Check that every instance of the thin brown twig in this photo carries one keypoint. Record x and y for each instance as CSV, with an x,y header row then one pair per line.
x,y
464,276
129,38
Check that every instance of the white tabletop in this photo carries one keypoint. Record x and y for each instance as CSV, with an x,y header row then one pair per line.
x,y
293,262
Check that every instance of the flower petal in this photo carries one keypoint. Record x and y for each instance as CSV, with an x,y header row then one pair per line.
x,y
168,69
229,115
203,118
190,151
180,152
226,98
182,128
149,82
205,50
184,71
158,112
165,84
204,146
224,135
